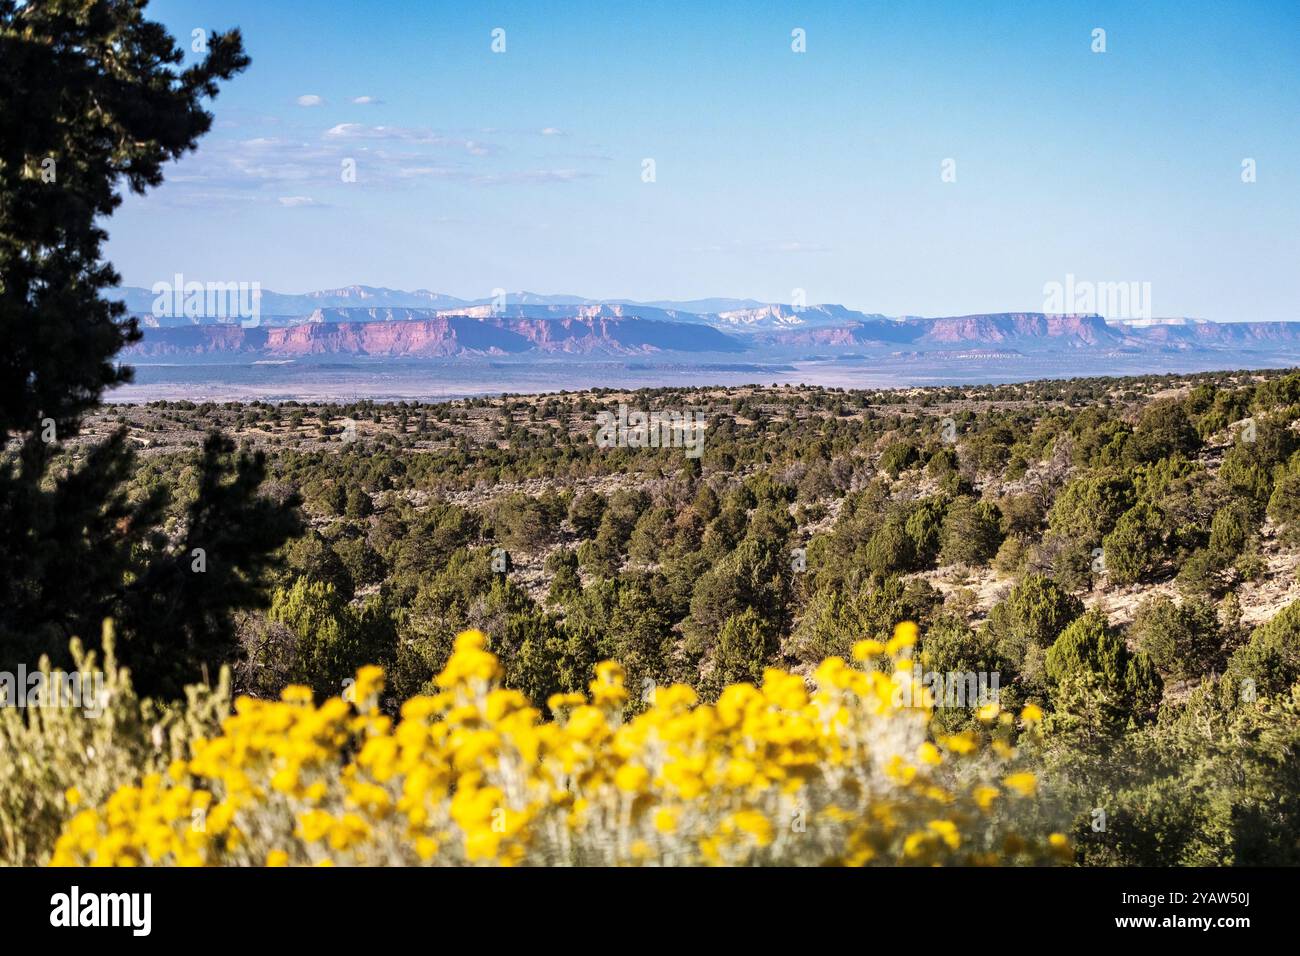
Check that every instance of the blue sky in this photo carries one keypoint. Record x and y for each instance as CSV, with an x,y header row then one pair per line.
x,y
774,170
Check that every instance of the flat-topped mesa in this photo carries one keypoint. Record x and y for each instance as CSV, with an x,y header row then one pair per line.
x,y
438,336
1006,326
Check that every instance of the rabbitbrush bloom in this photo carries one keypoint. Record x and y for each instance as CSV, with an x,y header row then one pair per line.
x,y
781,773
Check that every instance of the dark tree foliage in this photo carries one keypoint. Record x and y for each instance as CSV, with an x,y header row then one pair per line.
x,y
1132,548
1268,664
744,644
1034,614
177,613
95,88
93,99
1091,648
1183,640
1163,430
971,533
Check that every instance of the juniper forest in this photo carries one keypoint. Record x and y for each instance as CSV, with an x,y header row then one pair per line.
x,y
1122,552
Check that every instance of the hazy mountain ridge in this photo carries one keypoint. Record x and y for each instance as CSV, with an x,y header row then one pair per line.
x,y
384,322
778,315
283,309
141,301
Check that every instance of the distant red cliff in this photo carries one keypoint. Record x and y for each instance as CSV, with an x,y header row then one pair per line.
x,y
440,336
612,330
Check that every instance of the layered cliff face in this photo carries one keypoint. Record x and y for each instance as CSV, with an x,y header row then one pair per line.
x,y
425,338
618,335
1009,327
200,340
1188,334
612,329
839,336
392,333
1004,329
868,333
335,316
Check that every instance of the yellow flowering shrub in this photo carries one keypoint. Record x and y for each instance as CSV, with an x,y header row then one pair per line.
x,y
54,759
775,774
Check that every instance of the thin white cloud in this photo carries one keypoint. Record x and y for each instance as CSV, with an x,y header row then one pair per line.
x,y
310,99
551,131
431,172
357,132
292,173
530,176
768,246
366,100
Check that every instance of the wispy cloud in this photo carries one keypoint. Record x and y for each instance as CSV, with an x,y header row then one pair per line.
x,y
431,172
310,99
295,173
408,134
366,100
299,202
459,173
530,176
764,246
